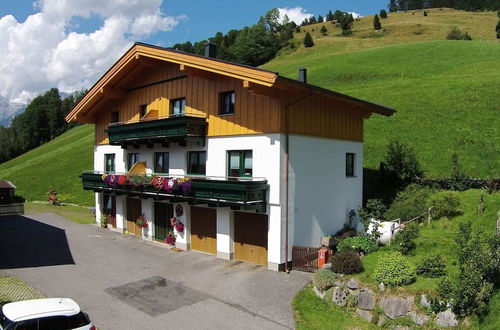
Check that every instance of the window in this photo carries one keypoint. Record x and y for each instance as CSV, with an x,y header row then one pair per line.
x,y
132,158
227,100
109,162
239,163
108,203
161,162
26,325
178,107
349,164
115,117
197,162
142,110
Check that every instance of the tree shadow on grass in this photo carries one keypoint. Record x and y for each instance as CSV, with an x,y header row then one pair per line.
x,y
25,242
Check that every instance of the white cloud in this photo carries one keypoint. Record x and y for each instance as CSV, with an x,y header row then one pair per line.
x,y
354,14
43,52
296,14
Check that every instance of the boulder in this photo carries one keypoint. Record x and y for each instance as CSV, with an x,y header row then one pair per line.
x,y
340,295
366,300
327,266
381,287
396,306
419,319
319,293
424,301
365,314
352,284
381,320
447,319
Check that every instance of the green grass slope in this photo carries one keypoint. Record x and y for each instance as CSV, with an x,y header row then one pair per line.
x,y
54,165
446,92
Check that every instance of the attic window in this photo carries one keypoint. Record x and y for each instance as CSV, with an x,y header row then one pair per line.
x,y
178,107
142,110
227,100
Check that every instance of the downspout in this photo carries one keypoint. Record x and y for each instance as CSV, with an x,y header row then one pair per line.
x,y
287,157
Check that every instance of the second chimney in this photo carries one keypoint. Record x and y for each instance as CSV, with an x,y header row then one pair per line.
x,y
303,75
210,49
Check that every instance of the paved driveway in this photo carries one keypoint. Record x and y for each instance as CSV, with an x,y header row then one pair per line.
x,y
126,283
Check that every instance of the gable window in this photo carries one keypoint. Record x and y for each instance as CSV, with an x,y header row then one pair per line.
x,y
240,163
178,107
143,108
197,162
227,100
349,164
132,158
115,117
109,162
161,162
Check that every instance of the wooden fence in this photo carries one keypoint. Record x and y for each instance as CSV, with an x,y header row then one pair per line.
x,y
305,258
12,209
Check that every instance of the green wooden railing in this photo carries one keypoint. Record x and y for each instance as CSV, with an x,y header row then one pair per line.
x,y
173,129
246,193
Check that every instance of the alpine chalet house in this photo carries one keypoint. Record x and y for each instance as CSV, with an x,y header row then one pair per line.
x,y
220,157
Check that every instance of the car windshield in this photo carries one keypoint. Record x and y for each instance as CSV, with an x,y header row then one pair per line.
x,y
4,321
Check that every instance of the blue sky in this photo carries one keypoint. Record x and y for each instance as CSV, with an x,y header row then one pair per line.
x,y
68,44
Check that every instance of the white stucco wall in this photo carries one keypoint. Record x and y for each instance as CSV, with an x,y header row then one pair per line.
x,y
321,195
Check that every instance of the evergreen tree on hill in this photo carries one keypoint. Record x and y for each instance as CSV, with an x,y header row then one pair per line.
x,y
383,13
324,30
320,19
329,16
376,23
393,6
346,24
308,41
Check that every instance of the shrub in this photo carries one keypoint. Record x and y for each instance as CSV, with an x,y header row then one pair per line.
x,y
323,279
394,270
409,203
405,238
324,30
308,41
432,267
445,204
456,34
401,163
362,243
346,262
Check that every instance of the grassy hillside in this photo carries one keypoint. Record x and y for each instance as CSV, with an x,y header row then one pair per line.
x,y
446,92
56,165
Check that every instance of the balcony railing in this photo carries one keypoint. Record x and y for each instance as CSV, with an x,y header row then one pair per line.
x,y
180,129
237,193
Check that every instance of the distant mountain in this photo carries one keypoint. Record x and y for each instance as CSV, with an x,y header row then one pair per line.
x,y
8,110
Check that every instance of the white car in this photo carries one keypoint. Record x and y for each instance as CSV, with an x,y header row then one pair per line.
x,y
44,314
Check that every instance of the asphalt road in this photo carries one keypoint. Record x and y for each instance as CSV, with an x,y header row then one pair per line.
x,y
123,282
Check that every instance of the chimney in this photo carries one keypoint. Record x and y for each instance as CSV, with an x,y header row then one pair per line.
x,y
303,75
210,49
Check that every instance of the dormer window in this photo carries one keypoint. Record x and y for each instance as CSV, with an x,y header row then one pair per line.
x,y
178,107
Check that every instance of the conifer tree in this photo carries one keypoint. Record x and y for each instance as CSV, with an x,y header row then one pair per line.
x,y
393,6
383,13
324,30
320,19
329,16
308,41
376,23
346,24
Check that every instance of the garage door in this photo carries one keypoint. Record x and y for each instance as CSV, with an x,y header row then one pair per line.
x,y
204,229
250,237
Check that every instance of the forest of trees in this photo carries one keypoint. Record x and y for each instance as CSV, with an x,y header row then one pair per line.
x,y
471,5
42,121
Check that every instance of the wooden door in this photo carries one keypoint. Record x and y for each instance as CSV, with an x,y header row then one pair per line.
x,y
109,209
163,213
250,237
134,209
204,229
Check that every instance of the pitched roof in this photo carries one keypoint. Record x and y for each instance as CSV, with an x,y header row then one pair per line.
x,y
6,185
143,52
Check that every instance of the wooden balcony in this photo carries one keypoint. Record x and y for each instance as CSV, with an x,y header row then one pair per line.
x,y
178,129
237,193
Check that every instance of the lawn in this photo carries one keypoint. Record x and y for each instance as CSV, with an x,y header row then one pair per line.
x,y
15,289
76,214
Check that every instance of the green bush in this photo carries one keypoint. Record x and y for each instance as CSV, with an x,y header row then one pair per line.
x,y
323,279
394,270
445,204
432,267
346,262
405,238
362,243
456,34
409,203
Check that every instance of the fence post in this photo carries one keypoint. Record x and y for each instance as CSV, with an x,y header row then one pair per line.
x,y
429,216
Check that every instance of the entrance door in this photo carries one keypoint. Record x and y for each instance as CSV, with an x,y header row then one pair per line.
x,y
204,229
134,209
163,213
250,237
109,209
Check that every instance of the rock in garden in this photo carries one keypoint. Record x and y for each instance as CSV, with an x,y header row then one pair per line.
x,y
381,287
365,314
340,296
326,266
352,284
395,306
447,319
424,301
319,293
366,300
419,319
381,320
